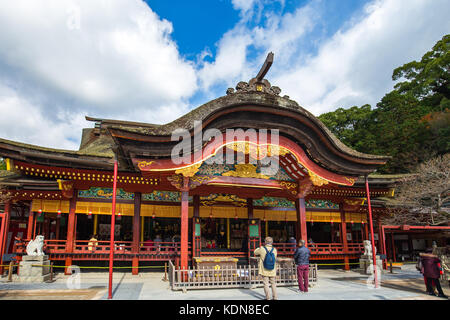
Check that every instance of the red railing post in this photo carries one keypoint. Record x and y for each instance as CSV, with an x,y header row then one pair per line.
x,y
111,243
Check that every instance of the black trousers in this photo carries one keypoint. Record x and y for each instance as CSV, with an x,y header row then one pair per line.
x,y
436,283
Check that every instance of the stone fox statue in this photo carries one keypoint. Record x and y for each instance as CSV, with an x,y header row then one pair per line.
x,y
34,247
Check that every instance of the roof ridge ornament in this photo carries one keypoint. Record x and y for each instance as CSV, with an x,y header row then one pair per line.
x,y
258,83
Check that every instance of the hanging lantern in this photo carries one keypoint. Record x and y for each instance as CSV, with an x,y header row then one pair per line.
x,y
119,214
351,222
59,214
210,214
312,222
235,214
331,222
90,214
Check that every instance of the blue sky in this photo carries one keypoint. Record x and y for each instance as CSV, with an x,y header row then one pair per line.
x,y
154,61
200,24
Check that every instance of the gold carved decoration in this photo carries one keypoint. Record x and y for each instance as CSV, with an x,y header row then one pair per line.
x,y
202,179
290,186
316,180
143,164
354,202
66,188
351,180
258,151
189,171
224,198
245,170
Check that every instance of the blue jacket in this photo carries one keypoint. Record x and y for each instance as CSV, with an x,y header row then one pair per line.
x,y
301,256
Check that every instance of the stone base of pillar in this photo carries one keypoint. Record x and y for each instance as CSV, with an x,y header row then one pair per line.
x,y
365,263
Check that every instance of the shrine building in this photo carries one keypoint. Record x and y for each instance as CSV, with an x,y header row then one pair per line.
x,y
167,210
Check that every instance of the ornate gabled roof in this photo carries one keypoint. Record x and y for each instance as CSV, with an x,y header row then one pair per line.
x,y
253,105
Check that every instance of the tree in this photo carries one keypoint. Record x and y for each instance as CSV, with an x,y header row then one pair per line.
x,y
350,125
423,198
428,79
411,123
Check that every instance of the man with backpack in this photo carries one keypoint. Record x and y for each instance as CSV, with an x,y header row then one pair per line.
x,y
301,258
267,267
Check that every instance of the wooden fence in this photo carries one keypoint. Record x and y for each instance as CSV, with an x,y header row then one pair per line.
x,y
232,277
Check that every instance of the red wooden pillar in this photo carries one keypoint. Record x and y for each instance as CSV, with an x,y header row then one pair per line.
x,y
30,224
4,232
344,237
196,230
111,239
184,223
301,219
70,230
136,232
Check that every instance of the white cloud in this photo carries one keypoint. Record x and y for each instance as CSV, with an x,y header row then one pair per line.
x,y
280,34
353,67
114,59
24,121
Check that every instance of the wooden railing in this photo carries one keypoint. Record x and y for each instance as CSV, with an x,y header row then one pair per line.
x,y
161,247
169,248
288,249
53,246
87,246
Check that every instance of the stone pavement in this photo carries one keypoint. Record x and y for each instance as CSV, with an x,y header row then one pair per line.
x,y
405,284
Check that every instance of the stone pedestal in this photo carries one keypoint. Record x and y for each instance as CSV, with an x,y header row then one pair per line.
x,y
365,261
31,269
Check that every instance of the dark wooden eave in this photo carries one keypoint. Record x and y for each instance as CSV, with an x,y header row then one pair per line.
x,y
53,157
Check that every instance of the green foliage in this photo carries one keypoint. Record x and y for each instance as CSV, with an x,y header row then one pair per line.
x,y
2,164
428,79
410,123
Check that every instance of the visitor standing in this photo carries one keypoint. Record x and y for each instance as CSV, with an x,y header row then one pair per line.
x,y
267,267
93,243
301,258
432,272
